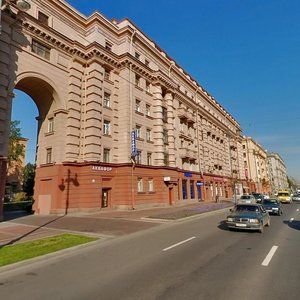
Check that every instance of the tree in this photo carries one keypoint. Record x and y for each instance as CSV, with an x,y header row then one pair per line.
x,y
29,174
16,151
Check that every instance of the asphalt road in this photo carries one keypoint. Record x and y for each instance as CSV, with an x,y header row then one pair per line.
x,y
192,259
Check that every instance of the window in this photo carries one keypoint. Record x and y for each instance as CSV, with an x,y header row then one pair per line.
x,y
184,189
106,155
140,184
40,49
149,158
43,18
147,86
106,127
137,55
106,100
148,110
192,189
150,185
49,155
137,105
138,131
138,157
108,45
166,159
164,115
137,80
147,62
107,74
50,125
148,135
165,136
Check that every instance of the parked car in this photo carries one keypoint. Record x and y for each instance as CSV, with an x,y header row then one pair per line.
x,y
249,217
247,199
258,196
296,197
272,206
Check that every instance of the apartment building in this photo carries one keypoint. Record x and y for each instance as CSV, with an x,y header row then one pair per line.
x,y
120,123
277,172
255,166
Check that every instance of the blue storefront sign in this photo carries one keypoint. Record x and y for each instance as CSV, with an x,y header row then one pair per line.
x,y
133,143
199,183
188,174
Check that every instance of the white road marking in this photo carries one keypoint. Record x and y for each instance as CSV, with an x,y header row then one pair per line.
x,y
291,219
269,256
180,243
297,209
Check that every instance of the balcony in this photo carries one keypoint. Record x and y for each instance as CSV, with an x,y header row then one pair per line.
x,y
183,113
187,153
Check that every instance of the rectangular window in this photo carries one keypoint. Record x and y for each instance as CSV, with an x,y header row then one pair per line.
x,y
140,184
106,155
148,135
43,18
138,131
106,100
192,189
107,74
148,110
166,159
137,55
164,115
150,185
137,80
138,157
165,136
106,127
49,155
147,86
184,190
149,158
137,105
40,49
108,45
50,125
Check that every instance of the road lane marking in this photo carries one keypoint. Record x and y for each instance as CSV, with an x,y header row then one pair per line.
x,y
291,219
180,243
269,256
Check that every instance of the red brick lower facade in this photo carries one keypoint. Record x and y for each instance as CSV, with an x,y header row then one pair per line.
x,y
73,187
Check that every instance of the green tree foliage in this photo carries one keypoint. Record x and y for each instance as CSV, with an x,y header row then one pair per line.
x,y
16,151
29,174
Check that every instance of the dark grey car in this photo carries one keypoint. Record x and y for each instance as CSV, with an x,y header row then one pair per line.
x,y
248,217
272,206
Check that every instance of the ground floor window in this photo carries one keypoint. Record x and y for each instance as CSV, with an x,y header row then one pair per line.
x,y
184,189
192,189
140,184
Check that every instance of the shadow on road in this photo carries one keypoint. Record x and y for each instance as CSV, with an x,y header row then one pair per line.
x,y
293,224
30,232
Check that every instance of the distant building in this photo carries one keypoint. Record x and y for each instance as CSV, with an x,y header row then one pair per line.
x,y
255,166
277,172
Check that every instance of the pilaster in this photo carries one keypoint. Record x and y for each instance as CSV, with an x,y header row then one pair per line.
x,y
158,125
170,127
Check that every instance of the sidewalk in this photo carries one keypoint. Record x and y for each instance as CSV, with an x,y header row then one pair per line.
x,y
19,227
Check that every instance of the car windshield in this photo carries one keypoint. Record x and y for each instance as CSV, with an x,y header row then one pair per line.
x,y
245,197
283,194
246,208
270,201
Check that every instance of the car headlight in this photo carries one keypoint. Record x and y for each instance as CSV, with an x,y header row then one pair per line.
x,y
230,219
254,221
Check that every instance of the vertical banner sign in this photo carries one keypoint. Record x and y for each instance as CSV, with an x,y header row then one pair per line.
x,y
133,143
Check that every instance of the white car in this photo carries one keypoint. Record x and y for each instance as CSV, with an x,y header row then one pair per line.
x,y
296,197
247,199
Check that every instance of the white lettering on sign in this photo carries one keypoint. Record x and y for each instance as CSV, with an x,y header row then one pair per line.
x,y
101,168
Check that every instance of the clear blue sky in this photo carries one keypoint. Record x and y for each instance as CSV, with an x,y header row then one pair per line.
x,y
246,53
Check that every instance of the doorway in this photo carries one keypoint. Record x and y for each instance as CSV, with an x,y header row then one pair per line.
x,y
105,200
